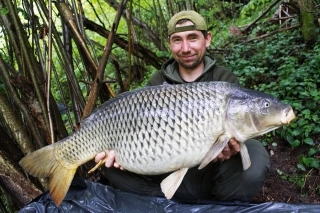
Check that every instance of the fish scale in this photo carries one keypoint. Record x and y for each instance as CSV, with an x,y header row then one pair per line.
x,y
160,129
130,113
157,122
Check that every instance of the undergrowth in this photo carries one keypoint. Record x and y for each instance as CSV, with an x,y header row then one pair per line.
x,y
281,65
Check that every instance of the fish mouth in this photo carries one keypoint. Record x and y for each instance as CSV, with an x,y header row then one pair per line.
x,y
289,117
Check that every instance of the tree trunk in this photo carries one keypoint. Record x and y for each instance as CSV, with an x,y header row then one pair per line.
x,y
308,26
22,191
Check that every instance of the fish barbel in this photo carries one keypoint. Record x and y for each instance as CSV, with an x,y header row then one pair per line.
x,y
160,129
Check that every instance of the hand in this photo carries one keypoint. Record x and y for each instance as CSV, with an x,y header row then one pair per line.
x,y
110,160
232,148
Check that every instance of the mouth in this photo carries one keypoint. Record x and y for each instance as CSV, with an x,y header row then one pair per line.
x,y
289,117
187,57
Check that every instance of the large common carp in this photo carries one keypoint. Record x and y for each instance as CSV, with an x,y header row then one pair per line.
x,y
159,129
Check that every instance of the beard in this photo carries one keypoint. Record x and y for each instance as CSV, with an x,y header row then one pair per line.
x,y
191,64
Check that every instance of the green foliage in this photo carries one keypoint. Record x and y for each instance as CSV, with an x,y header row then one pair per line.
x,y
282,65
310,160
4,11
251,7
282,69
4,202
278,66
301,180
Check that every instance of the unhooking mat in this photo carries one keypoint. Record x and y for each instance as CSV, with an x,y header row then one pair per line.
x,y
85,196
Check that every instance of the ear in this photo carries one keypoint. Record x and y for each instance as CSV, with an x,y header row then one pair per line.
x,y
169,42
208,39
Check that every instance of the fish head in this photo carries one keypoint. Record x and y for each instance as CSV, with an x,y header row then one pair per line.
x,y
251,113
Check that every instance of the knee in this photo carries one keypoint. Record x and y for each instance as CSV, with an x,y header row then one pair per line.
x,y
260,163
257,152
232,183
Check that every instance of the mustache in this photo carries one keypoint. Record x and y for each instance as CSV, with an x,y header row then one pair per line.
x,y
186,55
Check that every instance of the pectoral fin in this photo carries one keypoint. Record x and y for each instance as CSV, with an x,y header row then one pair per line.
x,y
171,183
214,150
246,162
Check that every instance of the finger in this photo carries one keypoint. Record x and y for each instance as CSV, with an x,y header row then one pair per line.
x,y
233,142
234,145
226,150
220,157
116,165
226,153
110,159
99,156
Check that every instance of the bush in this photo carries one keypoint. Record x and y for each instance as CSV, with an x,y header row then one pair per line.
x,y
283,67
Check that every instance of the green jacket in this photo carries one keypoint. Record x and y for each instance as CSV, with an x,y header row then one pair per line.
x,y
169,73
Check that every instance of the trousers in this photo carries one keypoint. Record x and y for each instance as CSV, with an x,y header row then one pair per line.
x,y
217,181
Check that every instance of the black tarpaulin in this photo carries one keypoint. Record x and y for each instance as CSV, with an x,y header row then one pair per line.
x,y
85,196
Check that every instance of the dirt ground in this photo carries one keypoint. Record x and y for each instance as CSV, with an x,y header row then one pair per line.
x,y
278,188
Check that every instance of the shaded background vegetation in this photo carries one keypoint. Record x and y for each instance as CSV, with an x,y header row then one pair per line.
x,y
60,60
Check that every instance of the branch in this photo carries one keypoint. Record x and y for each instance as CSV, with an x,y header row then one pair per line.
x,y
68,18
272,33
137,50
93,95
118,75
15,127
264,12
4,73
156,41
28,61
67,64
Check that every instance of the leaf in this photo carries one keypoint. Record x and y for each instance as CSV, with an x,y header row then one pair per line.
x,y
295,143
306,112
279,172
4,11
300,182
316,129
314,163
296,132
301,167
312,151
306,161
308,141
315,118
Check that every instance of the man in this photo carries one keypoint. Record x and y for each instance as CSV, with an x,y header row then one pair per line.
x,y
223,178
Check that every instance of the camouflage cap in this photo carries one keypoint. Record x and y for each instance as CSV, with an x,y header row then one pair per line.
x,y
196,18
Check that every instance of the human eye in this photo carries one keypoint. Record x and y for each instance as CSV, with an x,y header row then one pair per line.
x,y
176,40
193,38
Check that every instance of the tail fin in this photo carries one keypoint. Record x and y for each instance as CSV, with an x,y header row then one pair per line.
x,y
43,163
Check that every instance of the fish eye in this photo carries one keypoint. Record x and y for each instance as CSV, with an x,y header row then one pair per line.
x,y
266,103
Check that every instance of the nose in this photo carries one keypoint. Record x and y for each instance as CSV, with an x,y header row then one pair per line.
x,y
185,46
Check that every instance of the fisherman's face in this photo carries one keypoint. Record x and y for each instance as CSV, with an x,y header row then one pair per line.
x,y
189,47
